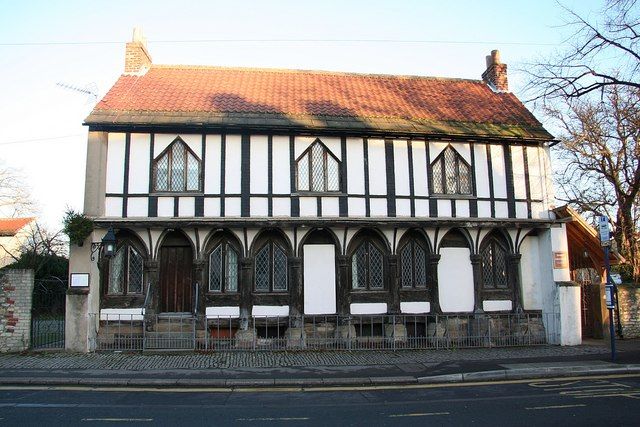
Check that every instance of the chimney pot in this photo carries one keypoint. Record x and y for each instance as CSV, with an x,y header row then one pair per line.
x,y
496,73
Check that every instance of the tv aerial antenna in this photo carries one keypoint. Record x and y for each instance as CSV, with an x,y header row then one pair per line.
x,y
90,91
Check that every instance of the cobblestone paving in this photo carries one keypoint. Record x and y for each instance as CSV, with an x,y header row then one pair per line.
x,y
140,362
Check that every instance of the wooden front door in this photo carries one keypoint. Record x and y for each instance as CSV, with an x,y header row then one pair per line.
x,y
176,264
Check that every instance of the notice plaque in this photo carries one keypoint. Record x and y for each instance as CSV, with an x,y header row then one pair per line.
x,y
79,280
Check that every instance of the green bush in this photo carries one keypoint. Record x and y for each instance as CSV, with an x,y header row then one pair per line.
x,y
77,226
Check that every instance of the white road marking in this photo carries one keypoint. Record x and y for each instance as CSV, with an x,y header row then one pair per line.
x,y
274,419
538,408
419,414
119,420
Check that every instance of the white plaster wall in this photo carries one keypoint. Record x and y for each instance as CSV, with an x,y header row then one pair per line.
x,y
139,165
225,312
499,174
435,148
484,209
356,206
232,206
519,183
422,208
462,208
303,142
162,141
212,164
403,207
545,161
496,305
281,166
259,206
377,168
270,310
368,308
115,163
444,208
355,166
415,307
559,244
463,149
530,277
538,211
165,206
502,209
521,210
137,207
401,166
535,173
420,185
319,279
259,164
455,280
378,207
113,207
482,172
330,206
308,206
570,322
232,169
281,206
186,206
212,207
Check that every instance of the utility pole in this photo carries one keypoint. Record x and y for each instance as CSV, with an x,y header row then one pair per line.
x,y
609,289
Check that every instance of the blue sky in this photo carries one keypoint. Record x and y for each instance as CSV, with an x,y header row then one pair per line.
x,y
93,34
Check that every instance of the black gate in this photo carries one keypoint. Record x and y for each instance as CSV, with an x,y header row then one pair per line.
x,y
47,313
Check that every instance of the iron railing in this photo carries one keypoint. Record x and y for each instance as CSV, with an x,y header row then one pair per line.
x,y
362,332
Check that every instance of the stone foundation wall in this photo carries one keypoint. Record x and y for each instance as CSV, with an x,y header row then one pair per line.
x,y
16,291
629,304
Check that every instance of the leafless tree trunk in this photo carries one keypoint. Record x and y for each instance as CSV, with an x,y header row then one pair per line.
x,y
14,195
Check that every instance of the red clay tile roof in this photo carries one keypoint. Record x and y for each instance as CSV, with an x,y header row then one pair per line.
x,y
214,95
10,226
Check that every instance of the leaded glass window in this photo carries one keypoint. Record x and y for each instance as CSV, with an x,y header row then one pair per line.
x,y
223,269
318,169
177,169
451,173
271,269
126,271
413,265
494,266
367,267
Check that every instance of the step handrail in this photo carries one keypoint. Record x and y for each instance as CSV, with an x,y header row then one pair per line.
x,y
195,298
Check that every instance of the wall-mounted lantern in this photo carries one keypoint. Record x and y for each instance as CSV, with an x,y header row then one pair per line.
x,y
106,247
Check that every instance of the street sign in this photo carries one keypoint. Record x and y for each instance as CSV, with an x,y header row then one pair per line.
x,y
608,294
603,227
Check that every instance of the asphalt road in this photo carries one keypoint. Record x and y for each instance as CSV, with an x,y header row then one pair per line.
x,y
549,402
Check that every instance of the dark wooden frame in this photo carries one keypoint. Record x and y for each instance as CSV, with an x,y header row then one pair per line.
x,y
495,292
459,159
225,241
167,152
372,239
414,239
271,243
325,156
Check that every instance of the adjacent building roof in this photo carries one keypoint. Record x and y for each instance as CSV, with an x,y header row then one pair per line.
x,y
10,226
274,99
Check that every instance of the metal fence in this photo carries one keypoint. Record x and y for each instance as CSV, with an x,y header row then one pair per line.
x,y
48,314
371,332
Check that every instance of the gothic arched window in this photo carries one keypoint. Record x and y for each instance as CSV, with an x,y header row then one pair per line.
x,y
367,266
223,268
413,264
451,173
271,268
318,169
495,276
176,169
126,271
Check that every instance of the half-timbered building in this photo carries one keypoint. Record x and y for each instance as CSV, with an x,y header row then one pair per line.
x,y
240,193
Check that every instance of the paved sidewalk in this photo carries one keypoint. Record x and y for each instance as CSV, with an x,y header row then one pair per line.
x,y
305,368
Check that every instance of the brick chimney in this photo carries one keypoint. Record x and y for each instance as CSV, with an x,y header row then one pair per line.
x,y
137,60
496,73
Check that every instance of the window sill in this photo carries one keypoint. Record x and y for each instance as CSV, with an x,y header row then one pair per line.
x,y
318,193
368,291
176,193
453,196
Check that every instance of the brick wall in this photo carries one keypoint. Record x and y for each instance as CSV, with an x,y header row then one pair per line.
x,y
16,290
629,303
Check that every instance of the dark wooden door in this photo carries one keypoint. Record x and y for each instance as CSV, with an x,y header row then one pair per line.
x,y
176,264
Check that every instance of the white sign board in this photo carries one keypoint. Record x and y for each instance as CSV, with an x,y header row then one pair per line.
x,y
603,227
79,280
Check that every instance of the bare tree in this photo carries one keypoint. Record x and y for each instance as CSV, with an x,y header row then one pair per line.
x,y
39,248
599,161
601,53
14,194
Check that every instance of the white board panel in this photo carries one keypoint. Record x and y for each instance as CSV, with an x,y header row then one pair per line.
x,y
496,305
356,206
521,210
401,166
259,206
224,312
212,206
232,206
455,280
270,310
538,211
139,163
462,208
319,279
308,206
259,164
535,173
138,207
444,208
113,206
281,166
482,170
377,167
123,314
187,206
232,167
484,209
422,208
212,164
519,182
378,207
415,307
330,206
165,206
420,184
368,308
499,175
502,210
281,206
530,274
355,166
403,207
115,163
